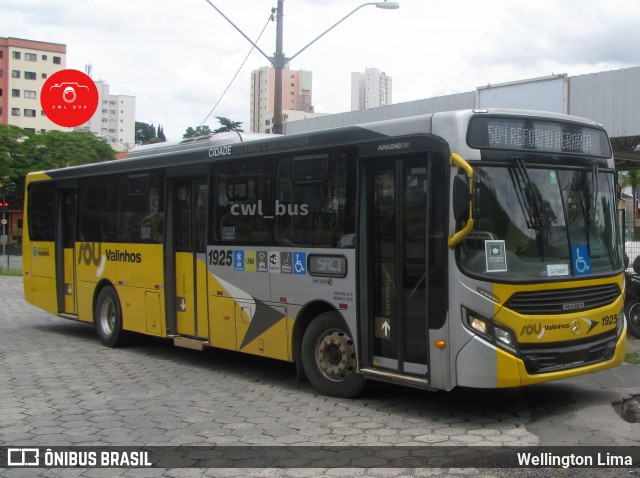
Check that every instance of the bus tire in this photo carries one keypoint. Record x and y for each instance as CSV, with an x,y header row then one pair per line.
x,y
108,318
632,312
329,357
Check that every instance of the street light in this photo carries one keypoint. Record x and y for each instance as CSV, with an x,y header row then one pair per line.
x,y
279,60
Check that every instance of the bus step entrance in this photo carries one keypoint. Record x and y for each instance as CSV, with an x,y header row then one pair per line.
x,y
189,343
394,377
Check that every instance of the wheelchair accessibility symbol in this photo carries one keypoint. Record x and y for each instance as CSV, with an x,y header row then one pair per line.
x,y
581,261
300,263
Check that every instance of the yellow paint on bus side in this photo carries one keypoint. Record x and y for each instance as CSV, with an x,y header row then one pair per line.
x,y
85,292
43,293
135,271
230,319
39,270
184,293
273,342
203,309
222,322
69,282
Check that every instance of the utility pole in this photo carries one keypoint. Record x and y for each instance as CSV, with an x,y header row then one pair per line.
x,y
278,60
278,64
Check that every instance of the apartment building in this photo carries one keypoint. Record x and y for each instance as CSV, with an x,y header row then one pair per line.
x,y
115,118
370,89
296,96
25,65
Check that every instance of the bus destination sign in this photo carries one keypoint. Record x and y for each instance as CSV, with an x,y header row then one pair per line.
x,y
534,135
327,266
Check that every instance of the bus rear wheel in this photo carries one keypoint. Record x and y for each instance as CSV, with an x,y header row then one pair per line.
x,y
108,318
329,357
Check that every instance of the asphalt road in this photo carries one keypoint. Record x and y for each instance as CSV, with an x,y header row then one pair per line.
x,y
60,387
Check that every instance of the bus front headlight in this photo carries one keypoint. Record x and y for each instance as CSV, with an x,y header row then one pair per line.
x,y
479,325
490,330
503,336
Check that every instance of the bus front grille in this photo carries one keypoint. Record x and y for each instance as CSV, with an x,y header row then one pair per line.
x,y
563,301
556,357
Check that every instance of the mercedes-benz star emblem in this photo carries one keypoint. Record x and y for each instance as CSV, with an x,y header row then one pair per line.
x,y
575,327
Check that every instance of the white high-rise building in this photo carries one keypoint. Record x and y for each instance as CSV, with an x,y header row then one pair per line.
x,y
115,118
370,89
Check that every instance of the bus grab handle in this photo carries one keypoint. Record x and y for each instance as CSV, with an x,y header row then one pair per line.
x,y
459,161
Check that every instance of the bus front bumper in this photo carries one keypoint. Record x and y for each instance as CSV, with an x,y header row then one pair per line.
x,y
483,365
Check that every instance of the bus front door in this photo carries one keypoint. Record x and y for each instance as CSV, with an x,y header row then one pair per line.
x,y
190,237
395,328
65,252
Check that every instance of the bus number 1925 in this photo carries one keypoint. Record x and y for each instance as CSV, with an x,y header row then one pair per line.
x,y
220,257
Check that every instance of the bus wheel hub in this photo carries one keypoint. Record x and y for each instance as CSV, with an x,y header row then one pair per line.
x,y
336,355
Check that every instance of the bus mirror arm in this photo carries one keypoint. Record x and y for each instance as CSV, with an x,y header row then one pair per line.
x,y
462,198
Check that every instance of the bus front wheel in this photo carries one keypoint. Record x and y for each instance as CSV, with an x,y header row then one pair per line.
x,y
329,357
108,318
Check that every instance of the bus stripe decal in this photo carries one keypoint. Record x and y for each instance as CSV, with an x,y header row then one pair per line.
x,y
261,316
264,318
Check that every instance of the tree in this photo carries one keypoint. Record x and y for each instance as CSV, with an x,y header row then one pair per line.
x,y
161,135
57,149
27,152
154,141
228,125
201,130
225,125
144,132
12,141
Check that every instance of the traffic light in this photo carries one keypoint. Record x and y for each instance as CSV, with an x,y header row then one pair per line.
x,y
4,206
618,192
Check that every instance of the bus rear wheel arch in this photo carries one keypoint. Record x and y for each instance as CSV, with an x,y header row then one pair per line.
x,y
107,316
329,357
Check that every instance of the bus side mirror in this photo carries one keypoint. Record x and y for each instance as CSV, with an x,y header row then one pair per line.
x,y
461,197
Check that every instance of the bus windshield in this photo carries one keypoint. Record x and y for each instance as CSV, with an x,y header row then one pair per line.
x,y
537,222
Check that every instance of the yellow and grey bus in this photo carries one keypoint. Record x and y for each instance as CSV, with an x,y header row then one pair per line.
x,y
470,248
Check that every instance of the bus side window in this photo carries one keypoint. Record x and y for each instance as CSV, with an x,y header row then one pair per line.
x,y
243,211
140,214
315,200
42,199
98,209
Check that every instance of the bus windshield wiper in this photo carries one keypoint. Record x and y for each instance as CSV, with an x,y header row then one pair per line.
x,y
530,202
527,194
589,209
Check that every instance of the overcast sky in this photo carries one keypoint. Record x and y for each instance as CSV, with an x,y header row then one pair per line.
x,y
178,56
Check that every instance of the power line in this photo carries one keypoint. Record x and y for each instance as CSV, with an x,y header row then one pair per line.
x,y
271,18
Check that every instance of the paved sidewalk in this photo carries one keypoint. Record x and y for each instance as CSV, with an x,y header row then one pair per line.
x,y
60,387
